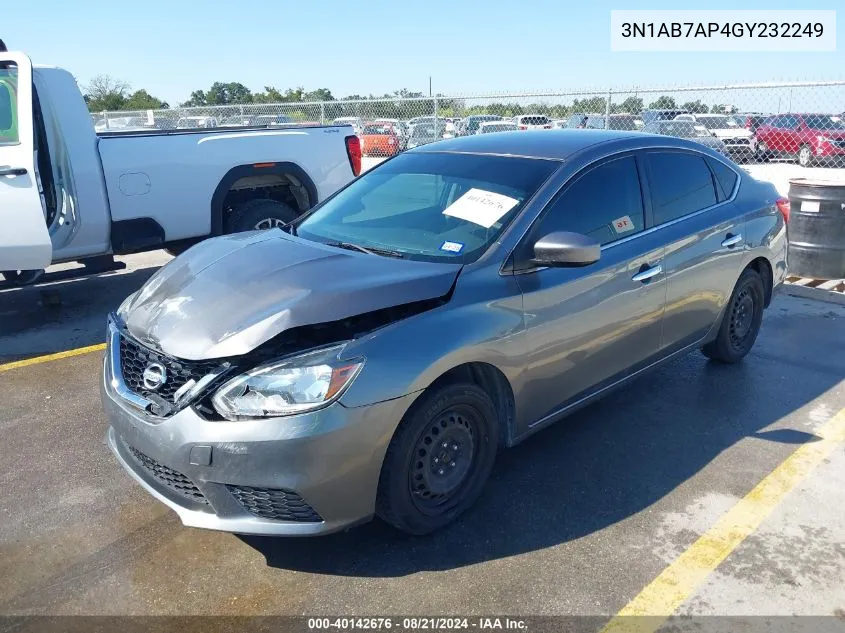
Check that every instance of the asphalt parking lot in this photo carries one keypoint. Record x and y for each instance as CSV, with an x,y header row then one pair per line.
x,y
699,489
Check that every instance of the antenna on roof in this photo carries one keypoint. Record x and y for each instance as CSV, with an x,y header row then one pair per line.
x,y
3,48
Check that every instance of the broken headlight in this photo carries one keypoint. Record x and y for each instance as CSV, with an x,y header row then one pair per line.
x,y
293,385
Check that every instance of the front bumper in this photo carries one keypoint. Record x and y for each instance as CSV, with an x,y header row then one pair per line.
x,y
328,461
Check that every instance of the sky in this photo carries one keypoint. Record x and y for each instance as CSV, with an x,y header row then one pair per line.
x,y
172,47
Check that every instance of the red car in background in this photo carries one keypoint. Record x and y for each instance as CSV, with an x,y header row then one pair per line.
x,y
380,139
811,138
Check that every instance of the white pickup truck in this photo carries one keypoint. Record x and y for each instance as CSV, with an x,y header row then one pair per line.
x,y
70,194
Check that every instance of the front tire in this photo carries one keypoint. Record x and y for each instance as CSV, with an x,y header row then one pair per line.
x,y
741,321
439,459
258,214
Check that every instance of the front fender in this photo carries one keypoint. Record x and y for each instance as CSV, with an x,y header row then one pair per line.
x,y
476,325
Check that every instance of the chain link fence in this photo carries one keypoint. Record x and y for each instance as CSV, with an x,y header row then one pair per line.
x,y
798,122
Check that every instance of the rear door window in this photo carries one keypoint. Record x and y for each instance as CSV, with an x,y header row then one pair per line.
x,y
681,183
604,203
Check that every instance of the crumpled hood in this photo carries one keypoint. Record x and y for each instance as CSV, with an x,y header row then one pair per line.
x,y
227,295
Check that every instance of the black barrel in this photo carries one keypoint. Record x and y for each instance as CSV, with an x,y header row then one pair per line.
x,y
816,228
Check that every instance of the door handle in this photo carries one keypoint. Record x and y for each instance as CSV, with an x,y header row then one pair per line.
x,y
12,171
648,273
731,240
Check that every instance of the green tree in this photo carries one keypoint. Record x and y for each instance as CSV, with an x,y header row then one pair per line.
x,y
632,105
664,102
220,93
696,107
104,92
142,100
320,94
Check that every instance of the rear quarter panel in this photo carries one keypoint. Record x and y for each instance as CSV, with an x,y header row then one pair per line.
x,y
171,177
765,229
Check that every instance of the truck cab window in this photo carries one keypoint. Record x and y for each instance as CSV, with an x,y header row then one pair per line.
x,y
8,104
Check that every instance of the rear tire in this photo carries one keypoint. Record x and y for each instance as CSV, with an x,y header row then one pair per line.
x,y
741,321
258,214
439,459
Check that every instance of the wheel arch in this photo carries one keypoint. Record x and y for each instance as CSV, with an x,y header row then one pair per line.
x,y
494,382
764,269
285,171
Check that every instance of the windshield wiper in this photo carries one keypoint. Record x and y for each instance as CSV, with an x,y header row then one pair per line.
x,y
369,250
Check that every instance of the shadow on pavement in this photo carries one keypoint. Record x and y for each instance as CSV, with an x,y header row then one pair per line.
x,y
57,316
608,461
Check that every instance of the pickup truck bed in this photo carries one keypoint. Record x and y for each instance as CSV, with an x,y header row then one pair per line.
x,y
178,178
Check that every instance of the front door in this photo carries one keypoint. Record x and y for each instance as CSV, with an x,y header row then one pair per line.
x,y
588,327
24,240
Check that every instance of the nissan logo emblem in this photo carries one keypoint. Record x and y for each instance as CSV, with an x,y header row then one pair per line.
x,y
155,375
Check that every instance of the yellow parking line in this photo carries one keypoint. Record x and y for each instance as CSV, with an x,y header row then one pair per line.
x,y
57,356
666,593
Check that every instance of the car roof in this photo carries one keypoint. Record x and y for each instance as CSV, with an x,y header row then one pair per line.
x,y
548,144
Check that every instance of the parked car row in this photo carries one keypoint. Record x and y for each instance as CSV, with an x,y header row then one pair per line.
x,y
808,138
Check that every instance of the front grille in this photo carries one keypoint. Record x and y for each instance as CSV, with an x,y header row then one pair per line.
x,y
272,503
135,358
737,141
172,479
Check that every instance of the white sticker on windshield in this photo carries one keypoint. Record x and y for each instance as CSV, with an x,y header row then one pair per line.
x,y
810,205
452,247
481,207
623,224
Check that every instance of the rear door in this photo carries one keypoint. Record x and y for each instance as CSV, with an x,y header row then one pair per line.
x,y
24,239
694,216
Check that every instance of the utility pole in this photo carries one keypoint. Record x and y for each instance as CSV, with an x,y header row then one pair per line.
x,y
429,85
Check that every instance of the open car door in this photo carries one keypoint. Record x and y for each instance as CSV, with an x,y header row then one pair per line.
x,y
24,238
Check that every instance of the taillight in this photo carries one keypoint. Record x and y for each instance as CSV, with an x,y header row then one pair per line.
x,y
783,207
748,122
353,150
523,127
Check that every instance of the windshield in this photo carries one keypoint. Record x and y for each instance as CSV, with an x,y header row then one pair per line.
x,y
824,122
718,122
429,206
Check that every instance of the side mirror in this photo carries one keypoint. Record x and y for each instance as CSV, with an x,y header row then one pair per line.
x,y
562,248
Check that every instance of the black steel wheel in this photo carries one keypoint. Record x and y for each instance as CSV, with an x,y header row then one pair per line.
x,y
741,321
439,458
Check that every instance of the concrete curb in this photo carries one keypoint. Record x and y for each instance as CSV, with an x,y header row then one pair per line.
x,y
818,294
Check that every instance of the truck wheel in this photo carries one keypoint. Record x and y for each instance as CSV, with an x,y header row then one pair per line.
x,y
261,213
805,156
22,277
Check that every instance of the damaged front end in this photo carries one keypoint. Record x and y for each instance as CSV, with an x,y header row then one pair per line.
x,y
270,381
